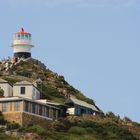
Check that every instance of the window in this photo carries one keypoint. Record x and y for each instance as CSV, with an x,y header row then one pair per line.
x,y
22,36
40,110
5,107
26,37
47,111
33,108
26,106
18,37
22,90
36,109
10,106
43,111
16,106
54,114
50,113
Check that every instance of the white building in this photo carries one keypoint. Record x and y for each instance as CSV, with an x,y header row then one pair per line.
x,y
26,89
8,92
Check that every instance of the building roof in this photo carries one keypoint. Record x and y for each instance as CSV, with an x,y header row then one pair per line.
x,y
26,83
25,99
82,103
50,103
3,81
23,83
22,32
9,98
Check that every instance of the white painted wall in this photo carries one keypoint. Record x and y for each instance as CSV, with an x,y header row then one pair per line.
x,y
22,48
36,94
30,92
18,42
8,89
70,111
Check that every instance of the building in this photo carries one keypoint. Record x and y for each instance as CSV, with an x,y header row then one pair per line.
x,y
26,89
26,111
7,88
22,104
62,107
78,107
22,44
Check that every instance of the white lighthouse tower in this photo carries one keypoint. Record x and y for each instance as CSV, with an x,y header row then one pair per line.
x,y
22,44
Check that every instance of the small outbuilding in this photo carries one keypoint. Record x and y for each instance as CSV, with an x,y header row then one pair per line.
x,y
78,107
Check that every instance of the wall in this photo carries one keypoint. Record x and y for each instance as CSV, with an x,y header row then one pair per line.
x,y
36,94
28,119
22,48
24,118
11,108
13,117
30,92
7,89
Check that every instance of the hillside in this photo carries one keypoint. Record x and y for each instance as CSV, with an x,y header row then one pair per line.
x,y
77,128
55,88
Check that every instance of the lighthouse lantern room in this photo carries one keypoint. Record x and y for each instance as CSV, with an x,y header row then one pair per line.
x,y
22,44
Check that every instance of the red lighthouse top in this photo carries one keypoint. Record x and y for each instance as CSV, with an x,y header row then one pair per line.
x,y
22,32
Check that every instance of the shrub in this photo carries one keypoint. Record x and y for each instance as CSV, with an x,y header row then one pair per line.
x,y
36,129
112,116
73,137
2,121
11,126
58,126
119,132
77,130
89,130
98,128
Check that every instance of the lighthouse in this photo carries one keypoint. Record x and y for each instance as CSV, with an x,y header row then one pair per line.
x,y
22,44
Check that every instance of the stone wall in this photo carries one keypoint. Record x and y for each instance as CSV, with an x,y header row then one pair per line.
x,y
26,119
13,117
29,119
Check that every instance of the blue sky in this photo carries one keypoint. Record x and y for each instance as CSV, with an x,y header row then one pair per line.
x,y
94,43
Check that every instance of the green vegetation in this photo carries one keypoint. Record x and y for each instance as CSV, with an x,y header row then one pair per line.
x,y
12,126
36,129
5,137
55,88
79,129
51,93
